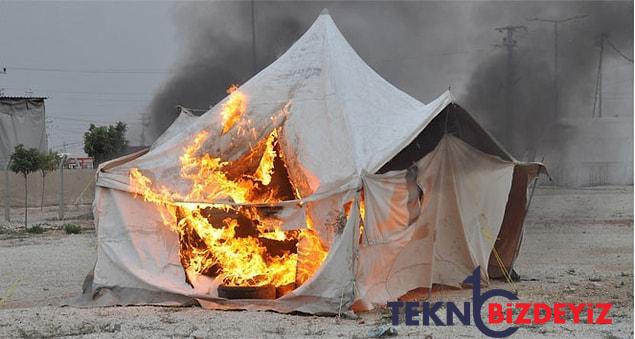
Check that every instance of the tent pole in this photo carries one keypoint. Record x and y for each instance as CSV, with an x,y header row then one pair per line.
x,y
253,37
533,188
60,212
7,205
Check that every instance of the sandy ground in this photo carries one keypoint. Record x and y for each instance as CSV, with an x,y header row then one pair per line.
x,y
578,247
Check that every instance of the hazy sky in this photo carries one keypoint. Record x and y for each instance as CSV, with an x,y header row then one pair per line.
x,y
95,61
102,61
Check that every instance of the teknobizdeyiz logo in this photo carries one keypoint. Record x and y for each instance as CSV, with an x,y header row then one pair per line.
x,y
496,313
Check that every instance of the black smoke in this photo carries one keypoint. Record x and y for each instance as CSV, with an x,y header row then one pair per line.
x,y
531,120
420,47
215,40
216,52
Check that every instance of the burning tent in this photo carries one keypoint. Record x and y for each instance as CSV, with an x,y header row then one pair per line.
x,y
316,187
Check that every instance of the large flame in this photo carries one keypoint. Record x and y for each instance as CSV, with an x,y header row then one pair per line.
x,y
232,241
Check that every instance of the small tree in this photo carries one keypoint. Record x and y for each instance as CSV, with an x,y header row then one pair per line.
x,y
105,142
49,161
25,161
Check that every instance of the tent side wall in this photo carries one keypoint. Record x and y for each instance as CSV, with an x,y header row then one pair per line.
x,y
511,233
456,121
431,224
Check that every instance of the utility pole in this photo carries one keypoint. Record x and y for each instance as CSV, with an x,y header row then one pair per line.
x,y
253,36
556,23
145,123
597,98
3,71
509,43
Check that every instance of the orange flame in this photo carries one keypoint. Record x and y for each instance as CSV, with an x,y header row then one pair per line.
x,y
213,239
233,108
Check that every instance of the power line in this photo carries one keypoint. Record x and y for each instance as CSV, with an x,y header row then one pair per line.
x,y
48,90
88,71
67,144
618,51
79,98
90,120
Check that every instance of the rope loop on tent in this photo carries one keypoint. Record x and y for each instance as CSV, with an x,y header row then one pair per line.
x,y
499,260
506,274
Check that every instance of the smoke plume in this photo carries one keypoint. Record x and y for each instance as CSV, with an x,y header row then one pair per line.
x,y
216,46
420,47
523,122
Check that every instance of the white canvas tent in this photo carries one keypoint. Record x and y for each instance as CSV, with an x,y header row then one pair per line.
x,y
437,189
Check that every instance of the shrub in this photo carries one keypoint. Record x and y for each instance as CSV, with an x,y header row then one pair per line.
x,y
35,229
72,229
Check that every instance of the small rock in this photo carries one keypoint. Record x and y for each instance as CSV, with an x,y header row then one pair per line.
x,y
624,274
595,279
383,331
571,271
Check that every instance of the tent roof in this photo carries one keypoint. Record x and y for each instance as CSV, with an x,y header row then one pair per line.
x,y
344,119
344,116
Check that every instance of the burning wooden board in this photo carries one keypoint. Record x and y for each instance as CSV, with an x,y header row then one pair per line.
x,y
269,258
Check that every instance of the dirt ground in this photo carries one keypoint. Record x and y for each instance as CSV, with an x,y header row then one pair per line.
x,y
578,247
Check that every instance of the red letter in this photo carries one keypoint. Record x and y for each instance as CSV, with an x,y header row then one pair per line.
x,y
524,309
576,310
537,318
495,313
602,319
558,313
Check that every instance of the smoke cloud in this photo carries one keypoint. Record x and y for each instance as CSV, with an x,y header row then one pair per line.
x,y
216,46
524,126
420,47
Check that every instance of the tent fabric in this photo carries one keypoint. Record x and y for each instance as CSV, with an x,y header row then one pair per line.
x,y
185,118
137,252
358,120
22,121
461,212
340,123
511,233
331,290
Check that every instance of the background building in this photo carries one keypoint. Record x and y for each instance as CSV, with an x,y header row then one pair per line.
x,y
22,121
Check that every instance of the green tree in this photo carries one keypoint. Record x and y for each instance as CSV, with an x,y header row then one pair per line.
x,y
49,161
105,142
25,161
